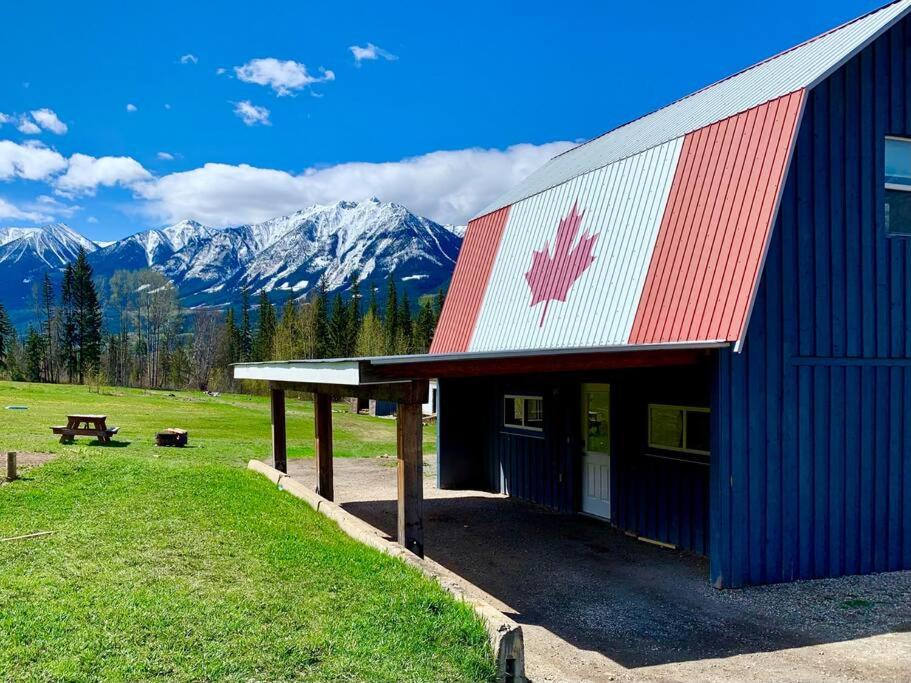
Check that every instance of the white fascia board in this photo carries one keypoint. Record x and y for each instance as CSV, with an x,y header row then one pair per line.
x,y
341,372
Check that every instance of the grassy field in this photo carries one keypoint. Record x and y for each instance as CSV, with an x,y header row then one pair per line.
x,y
178,564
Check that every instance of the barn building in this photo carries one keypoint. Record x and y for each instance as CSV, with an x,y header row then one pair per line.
x,y
697,326
771,212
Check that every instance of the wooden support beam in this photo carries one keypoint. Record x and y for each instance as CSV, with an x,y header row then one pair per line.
x,y
279,435
322,414
409,433
400,390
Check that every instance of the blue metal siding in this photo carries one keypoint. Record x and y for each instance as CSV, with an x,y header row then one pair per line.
x,y
662,499
811,472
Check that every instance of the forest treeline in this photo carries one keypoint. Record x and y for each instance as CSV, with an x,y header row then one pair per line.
x,y
130,330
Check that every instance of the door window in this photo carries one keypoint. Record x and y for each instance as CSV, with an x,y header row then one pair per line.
x,y
597,419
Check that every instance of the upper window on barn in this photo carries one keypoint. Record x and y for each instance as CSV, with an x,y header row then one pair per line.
x,y
898,186
679,428
523,412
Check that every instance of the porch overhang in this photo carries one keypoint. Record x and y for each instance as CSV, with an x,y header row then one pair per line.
x,y
391,373
405,379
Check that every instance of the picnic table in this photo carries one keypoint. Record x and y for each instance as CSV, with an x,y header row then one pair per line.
x,y
85,425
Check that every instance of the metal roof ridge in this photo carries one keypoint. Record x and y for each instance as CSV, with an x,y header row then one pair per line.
x,y
711,85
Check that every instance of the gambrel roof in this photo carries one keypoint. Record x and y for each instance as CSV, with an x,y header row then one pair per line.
x,y
655,232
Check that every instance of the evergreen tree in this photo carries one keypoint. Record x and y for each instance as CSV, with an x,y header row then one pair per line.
x,y
6,338
246,331
373,306
404,318
390,320
286,343
231,340
49,314
265,333
87,318
438,306
354,313
424,326
323,344
34,355
338,329
67,343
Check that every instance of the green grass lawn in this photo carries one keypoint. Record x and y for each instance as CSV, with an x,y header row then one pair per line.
x,y
179,564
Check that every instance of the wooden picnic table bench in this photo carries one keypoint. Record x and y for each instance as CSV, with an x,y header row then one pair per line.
x,y
85,425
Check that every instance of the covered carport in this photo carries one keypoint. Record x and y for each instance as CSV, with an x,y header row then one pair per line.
x,y
404,381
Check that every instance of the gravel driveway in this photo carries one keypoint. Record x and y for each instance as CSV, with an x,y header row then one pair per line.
x,y
596,605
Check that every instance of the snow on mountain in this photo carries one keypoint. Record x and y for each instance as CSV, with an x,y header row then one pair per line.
x,y
285,256
457,230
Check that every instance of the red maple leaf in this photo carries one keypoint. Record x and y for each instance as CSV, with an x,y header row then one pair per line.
x,y
551,277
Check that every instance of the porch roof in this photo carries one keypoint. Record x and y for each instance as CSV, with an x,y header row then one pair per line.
x,y
386,370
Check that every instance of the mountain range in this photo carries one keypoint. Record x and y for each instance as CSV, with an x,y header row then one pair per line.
x,y
285,256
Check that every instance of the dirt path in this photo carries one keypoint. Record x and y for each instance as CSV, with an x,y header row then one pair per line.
x,y
596,605
24,462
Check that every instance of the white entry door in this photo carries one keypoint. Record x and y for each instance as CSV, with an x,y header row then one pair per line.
x,y
596,457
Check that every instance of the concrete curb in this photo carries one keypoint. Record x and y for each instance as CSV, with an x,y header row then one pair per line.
x,y
504,633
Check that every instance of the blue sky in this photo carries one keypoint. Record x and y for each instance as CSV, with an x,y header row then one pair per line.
x,y
446,108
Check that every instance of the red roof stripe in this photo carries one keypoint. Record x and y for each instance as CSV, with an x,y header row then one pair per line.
x,y
713,235
469,283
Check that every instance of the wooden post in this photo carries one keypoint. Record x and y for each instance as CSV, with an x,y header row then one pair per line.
x,y
409,434
279,437
11,466
322,419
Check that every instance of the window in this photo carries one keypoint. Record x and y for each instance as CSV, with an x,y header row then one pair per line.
x,y
679,428
523,412
898,186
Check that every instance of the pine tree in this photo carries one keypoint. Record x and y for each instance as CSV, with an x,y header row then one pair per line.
x,y
338,329
67,344
390,320
231,339
424,326
404,318
321,319
265,333
34,355
373,306
354,313
246,331
87,316
438,306
6,338
48,310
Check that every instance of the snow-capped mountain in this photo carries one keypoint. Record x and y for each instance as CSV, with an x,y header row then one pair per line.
x,y
26,254
285,256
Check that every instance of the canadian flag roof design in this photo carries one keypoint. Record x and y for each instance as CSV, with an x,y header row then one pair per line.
x,y
655,232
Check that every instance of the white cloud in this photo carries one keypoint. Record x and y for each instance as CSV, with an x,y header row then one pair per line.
x,y
284,77
86,173
48,119
447,186
189,59
53,206
132,107
30,160
9,210
5,118
220,71
91,219
370,52
28,127
165,156
252,114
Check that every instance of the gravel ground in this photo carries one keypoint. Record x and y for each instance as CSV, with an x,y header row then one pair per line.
x,y
596,605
